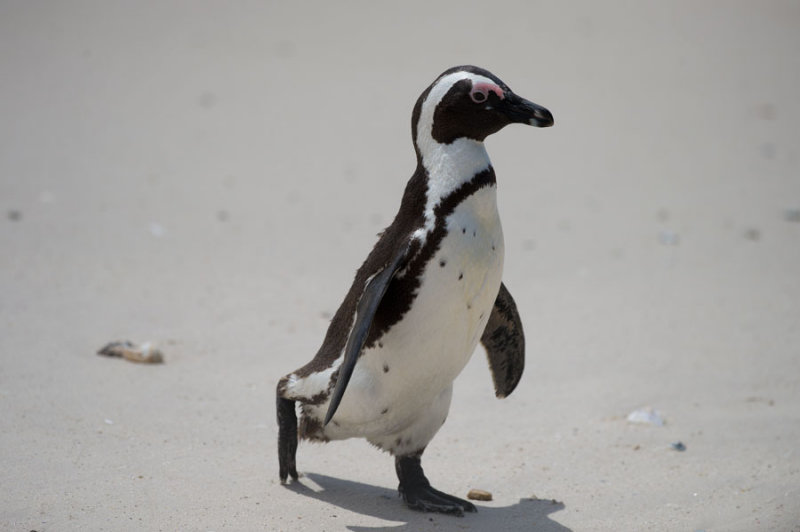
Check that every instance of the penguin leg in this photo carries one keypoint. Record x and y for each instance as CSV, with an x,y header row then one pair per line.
x,y
417,492
287,437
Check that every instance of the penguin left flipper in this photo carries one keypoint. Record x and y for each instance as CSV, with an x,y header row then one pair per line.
x,y
504,342
365,311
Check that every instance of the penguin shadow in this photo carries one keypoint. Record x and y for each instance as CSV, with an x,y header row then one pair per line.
x,y
383,503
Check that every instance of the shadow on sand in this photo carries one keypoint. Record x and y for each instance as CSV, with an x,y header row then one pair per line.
x,y
383,503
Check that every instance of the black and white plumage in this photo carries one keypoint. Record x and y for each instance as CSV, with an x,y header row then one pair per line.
x,y
427,293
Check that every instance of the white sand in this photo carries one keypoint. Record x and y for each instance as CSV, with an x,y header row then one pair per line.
x,y
208,176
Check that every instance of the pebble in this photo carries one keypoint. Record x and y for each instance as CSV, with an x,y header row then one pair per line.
x,y
646,415
479,495
144,353
791,215
678,446
669,238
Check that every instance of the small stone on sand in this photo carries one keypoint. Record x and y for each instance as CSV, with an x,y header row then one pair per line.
x,y
678,446
479,495
144,353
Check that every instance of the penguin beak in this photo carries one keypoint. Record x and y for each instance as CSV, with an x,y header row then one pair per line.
x,y
521,111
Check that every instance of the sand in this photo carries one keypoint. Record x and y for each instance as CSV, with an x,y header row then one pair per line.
x,y
207,176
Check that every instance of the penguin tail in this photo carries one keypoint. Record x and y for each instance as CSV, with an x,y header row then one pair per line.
x,y
287,434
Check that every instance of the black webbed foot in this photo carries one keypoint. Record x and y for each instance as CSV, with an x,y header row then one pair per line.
x,y
287,438
418,494
428,499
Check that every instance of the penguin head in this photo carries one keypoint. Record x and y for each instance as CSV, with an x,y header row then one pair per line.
x,y
471,102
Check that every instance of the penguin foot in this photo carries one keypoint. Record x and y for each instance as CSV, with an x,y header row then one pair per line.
x,y
418,494
287,439
428,499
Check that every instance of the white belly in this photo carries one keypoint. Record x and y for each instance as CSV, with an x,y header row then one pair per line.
x,y
417,360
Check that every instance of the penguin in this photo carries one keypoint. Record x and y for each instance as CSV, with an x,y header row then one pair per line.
x,y
427,293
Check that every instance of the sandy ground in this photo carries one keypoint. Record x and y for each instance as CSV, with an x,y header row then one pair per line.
x,y
208,175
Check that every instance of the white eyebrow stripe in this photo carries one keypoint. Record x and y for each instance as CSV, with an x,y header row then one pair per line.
x,y
439,90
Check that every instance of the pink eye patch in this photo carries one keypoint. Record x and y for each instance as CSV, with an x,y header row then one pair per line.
x,y
480,91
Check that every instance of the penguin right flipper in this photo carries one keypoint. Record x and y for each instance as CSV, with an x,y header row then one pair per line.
x,y
504,341
365,312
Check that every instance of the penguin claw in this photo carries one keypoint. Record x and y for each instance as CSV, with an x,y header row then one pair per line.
x,y
289,471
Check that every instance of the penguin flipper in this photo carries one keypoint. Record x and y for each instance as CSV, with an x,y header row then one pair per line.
x,y
365,311
504,342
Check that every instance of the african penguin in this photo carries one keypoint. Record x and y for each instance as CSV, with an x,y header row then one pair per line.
x,y
426,294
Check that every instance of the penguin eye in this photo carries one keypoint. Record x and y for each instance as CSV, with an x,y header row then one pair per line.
x,y
478,95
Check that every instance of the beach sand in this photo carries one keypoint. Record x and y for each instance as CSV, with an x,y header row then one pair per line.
x,y
207,177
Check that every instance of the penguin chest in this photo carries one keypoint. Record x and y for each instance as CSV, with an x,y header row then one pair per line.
x,y
419,357
459,285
